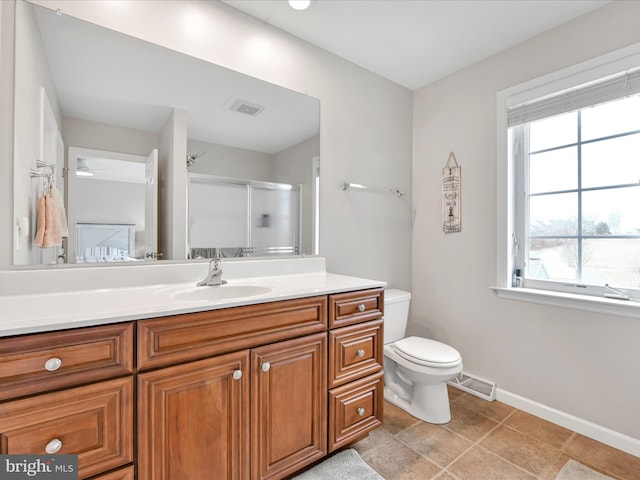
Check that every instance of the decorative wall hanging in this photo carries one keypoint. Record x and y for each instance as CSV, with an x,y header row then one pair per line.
x,y
451,209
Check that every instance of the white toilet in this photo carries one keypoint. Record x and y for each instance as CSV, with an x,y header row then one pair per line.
x,y
416,370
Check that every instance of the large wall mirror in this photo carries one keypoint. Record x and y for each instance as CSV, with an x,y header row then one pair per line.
x,y
93,105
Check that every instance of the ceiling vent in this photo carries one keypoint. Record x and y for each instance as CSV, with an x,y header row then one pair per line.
x,y
246,107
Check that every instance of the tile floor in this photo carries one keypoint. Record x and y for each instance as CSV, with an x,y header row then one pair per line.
x,y
484,441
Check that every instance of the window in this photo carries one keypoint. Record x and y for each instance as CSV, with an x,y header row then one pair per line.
x,y
580,221
570,174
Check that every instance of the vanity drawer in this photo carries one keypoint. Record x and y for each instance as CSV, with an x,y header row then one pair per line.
x,y
355,352
355,307
181,338
95,422
73,357
354,410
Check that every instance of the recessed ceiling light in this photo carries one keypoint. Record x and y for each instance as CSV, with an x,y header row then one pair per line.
x,y
299,4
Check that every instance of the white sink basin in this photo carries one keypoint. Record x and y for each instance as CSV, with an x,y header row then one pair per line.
x,y
220,292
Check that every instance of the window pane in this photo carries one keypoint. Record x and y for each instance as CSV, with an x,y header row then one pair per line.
x,y
553,214
612,211
553,132
553,171
615,261
611,118
553,259
611,162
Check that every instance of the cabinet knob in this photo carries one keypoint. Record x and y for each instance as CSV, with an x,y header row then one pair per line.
x,y
52,364
361,307
237,374
361,411
53,446
360,352
266,366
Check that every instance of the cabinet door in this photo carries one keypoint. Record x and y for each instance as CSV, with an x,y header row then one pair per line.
x,y
193,420
288,406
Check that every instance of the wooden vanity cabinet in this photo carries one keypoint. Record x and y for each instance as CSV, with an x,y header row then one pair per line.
x,y
203,376
70,392
253,392
356,342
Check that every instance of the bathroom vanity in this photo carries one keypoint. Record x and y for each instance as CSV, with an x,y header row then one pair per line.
x,y
243,387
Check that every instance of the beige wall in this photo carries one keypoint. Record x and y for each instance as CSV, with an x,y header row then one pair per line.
x,y
225,161
580,363
7,11
31,74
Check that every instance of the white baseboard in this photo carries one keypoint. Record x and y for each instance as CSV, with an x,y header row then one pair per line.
x,y
584,427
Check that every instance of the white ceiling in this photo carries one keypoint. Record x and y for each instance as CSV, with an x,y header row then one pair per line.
x,y
415,42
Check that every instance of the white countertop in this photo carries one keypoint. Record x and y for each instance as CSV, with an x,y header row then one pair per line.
x,y
39,312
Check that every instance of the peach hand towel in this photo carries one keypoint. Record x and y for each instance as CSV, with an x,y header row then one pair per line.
x,y
62,214
52,233
48,233
41,222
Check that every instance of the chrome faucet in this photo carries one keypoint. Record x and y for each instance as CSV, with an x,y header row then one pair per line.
x,y
214,277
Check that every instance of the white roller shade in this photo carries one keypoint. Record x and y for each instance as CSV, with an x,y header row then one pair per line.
x,y
604,90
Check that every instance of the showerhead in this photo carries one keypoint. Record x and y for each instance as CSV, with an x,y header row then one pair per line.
x,y
191,159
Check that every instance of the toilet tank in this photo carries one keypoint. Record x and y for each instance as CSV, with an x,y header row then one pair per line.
x,y
396,314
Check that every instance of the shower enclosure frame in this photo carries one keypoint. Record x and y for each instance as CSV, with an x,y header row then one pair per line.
x,y
249,249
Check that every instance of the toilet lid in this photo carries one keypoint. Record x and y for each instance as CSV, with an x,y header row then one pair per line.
x,y
427,352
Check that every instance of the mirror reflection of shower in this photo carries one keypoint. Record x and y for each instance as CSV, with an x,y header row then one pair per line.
x,y
191,159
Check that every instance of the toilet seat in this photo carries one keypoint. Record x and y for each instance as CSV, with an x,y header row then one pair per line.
x,y
430,353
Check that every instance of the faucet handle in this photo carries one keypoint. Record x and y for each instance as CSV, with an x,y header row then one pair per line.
x,y
214,276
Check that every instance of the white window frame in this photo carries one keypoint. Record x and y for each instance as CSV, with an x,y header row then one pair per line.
x,y
508,206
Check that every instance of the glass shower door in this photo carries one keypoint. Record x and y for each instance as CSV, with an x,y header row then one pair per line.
x,y
274,221
234,217
217,217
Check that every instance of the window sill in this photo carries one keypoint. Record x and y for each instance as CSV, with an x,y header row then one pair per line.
x,y
608,306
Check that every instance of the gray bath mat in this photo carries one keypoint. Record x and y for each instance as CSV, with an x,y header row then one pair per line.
x,y
342,466
573,470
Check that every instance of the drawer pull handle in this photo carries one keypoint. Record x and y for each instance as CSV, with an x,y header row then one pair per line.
x,y
53,446
361,412
52,364
237,374
361,307
266,366
360,353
